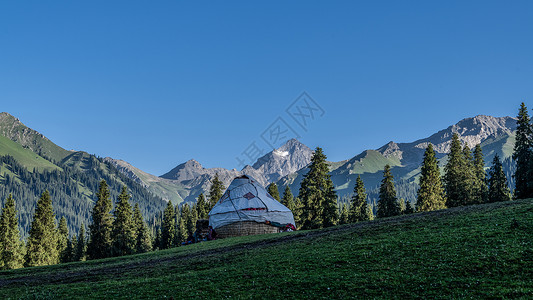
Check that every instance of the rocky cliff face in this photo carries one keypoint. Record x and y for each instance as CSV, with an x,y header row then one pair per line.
x,y
471,131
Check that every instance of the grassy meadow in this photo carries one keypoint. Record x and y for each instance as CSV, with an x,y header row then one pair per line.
x,y
480,251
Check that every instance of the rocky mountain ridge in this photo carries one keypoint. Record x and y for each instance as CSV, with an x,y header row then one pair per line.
x,y
190,178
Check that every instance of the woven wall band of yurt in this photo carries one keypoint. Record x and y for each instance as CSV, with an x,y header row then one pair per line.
x,y
246,208
245,228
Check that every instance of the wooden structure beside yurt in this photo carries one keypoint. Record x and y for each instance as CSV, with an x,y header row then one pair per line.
x,y
246,208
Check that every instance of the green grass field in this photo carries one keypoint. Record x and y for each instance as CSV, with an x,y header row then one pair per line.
x,y
482,251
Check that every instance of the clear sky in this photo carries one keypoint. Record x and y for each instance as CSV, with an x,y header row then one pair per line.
x,y
156,83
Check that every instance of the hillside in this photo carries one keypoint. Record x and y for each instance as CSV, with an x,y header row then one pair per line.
x,y
481,251
30,164
25,157
15,130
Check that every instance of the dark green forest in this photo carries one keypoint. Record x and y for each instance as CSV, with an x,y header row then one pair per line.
x,y
71,190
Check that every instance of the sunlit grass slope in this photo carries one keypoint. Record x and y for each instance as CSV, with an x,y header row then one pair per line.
x,y
482,251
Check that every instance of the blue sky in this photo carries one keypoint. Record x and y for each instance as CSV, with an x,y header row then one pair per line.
x,y
157,83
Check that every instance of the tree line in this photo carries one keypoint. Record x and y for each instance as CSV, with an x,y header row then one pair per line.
x,y
71,189
465,182
178,223
117,232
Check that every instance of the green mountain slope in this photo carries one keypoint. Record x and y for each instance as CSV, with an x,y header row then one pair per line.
x,y
13,129
479,252
72,178
25,157
171,190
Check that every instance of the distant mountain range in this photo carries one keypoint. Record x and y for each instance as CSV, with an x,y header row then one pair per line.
x,y
186,181
33,153
495,134
287,164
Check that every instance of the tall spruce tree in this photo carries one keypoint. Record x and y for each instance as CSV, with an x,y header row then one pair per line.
x,y
188,218
288,198
453,177
479,186
358,206
523,155
274,191
430,195
297,212
123,233
215,191
102,225
41,248
182,231
143,239
202,207
498,187
168,230
317,194
81,245
62,240
11,247
70,252
467,177
388,202
158,240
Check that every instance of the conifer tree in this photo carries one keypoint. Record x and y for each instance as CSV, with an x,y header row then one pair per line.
x,y
202,207
523,155
430,195
343,217
479,186
215,192
453,178
143,241
188,218
70,250
317,194
297,212
401,203
273,191
123,233
81,245
41,249
288,199
11,247
388,202
358,207
102,225
498,187
62,240
168,231
408,208
467,177
158,240
182,231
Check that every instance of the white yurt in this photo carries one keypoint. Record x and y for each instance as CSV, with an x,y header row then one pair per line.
x,y
246,208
